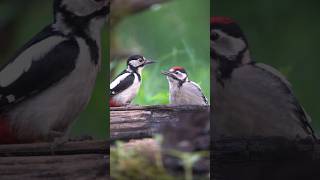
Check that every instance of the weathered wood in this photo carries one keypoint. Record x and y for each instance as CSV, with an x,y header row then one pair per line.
x,y
183,128
136,122
85,167
72,160
265,158
41,149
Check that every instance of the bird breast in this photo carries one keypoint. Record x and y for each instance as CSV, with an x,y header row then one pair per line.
x,y
58,106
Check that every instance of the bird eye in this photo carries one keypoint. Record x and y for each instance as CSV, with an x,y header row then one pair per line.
x,y
177,72
140,60
214,36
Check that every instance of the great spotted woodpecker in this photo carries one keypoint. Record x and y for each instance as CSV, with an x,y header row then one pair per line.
x,y
249,98
126,85
49,81
182,91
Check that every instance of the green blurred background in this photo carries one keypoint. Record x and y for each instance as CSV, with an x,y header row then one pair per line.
x,y
175,33
19,22
284,34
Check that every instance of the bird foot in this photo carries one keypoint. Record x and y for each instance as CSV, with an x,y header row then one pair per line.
x,y
57,139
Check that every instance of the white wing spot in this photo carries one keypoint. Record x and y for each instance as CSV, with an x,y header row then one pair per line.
x,y
11,98
23,62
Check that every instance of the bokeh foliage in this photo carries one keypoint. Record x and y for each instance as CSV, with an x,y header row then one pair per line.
x,y
284,34
19,22
173,34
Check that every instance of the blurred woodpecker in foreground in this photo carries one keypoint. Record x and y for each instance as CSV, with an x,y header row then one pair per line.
x,y
182,91
126,85
50,80
250,99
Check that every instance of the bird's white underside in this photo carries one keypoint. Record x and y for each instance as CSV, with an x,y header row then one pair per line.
x,y
128,94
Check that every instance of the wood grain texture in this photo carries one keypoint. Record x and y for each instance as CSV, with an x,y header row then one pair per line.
x,y
138,122
74,160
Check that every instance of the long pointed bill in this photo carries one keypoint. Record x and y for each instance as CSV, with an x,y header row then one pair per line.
x,y
148,62
166,73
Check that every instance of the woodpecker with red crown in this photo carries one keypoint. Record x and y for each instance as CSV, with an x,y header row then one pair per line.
x,y
249,98
182,91
45,86
126,85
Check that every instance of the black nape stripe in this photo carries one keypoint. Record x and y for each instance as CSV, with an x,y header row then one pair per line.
x,y
79,26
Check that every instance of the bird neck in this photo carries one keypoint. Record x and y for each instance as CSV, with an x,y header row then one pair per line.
x,y
177,82
137,71
222,67
83,26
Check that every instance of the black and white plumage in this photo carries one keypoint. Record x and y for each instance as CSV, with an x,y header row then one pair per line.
x,y
250,99
50,80
182,91
126,85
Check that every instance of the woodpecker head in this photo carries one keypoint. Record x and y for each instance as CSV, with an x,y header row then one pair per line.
x,y
137,62
80,16
177,75
229,47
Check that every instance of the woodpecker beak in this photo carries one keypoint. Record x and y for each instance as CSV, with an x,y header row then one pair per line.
x,y
167,73
148,62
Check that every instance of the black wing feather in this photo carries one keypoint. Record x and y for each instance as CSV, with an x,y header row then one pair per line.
x,y
43,72
124,84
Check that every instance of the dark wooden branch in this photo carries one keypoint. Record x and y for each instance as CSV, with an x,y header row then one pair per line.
x,y
144,121
41,149
73,160
265,158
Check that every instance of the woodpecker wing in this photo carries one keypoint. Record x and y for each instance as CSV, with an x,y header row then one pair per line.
x,y
42,62
121,82
196,91
281,83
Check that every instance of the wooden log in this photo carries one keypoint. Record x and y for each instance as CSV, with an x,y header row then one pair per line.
x,y
183,128
265,158
73,160
136,122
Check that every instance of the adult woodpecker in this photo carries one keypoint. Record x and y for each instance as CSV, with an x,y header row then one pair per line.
x,y
126,85
182,91
49,81
249,98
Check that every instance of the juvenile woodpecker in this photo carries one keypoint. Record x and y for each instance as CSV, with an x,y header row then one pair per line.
x,y
182,91
126,85
249,98
49,81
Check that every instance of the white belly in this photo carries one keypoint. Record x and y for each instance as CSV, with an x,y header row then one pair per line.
x,y
128,95
57,107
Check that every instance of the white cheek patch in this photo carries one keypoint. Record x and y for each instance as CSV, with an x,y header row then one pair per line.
x,y
23,62
182,76
228,46
135,63
11,98
81,7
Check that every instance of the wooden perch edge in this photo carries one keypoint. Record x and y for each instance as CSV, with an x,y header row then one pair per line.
x,y
138,122
72,160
